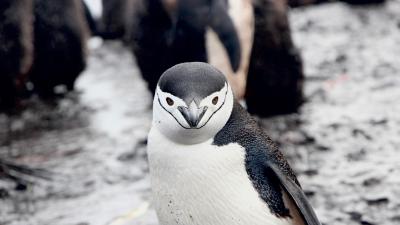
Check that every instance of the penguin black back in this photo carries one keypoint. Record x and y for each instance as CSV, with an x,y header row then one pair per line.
x,y
151,24
267,168
165,35
16,18
115,19
60,44
241,128
275,77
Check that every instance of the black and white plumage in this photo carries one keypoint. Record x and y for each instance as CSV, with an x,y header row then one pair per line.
x,y
248,40
168,32
16,48
61,32
275,77
210,163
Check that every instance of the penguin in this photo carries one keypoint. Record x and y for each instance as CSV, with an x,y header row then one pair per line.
x,y
60,35
263,64
275,77
210,163
115,22
168,32
16,49
242,16
271,68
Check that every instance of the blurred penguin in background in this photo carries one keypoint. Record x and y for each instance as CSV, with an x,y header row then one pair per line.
x,y
248,40
168,32
241,14
116,18
61,32
275,77
16,49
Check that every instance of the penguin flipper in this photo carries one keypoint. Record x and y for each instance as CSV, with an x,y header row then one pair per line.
x,y
297,195
223,25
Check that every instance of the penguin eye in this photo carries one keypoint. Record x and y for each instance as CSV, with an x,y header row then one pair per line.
x,y
170,102
215,100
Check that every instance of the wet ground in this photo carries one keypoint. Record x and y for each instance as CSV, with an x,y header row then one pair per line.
x,y
344,145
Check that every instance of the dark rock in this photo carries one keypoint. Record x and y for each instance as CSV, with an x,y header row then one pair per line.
x,y
364,222
4,193
371,182
377,201
358,132
355,216
356,156
322,148
21,187
341,58
378,122
309,193
311,172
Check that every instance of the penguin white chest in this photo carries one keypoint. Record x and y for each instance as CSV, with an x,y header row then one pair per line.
x,y
204,184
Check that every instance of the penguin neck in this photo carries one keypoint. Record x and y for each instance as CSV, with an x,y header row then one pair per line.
x,y
172,139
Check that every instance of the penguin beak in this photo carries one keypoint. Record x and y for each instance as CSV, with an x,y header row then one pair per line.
x,y
192,114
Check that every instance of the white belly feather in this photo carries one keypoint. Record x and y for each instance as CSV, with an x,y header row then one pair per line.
x,y
204,185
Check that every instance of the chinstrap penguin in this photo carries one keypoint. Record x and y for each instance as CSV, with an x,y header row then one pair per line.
x,y
115,19
60,35
248,40
210,163
16,49
275,75
167,32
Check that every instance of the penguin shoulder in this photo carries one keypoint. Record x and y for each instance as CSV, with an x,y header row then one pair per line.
x,y
267,168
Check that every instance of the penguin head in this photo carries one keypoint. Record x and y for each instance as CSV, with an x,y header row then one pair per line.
x,y
192,103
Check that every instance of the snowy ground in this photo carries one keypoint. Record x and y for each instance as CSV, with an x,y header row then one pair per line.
x,y
344,144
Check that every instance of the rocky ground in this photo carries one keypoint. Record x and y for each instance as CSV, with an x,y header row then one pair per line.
x,y
343,145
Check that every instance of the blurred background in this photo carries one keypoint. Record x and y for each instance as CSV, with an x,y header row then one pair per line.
x,y
76,83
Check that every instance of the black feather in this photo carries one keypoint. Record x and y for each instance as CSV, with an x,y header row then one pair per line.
x,y
162,39
61,31
266,166
16,21
275,77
